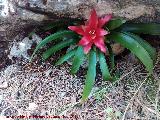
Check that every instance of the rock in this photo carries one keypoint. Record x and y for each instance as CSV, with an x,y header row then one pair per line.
x,y
80,8
3,85
19,49
21,12
132,12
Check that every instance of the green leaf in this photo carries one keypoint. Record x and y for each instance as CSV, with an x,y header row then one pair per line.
x,y
111,55
145,28
144,44
135,48
91,74
57,47
78,60
103,66
50,38
113,24
65,57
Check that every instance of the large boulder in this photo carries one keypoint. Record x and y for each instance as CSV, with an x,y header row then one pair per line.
x,y
39,9
15,15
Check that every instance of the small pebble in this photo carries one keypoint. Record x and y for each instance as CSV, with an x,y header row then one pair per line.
x,y
63,94
4,85
32,106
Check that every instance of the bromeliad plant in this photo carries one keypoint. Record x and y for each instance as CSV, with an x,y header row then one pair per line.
x,y
93,40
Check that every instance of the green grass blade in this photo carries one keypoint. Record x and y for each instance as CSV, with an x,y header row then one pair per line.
x,y
135,48
78,60
144,44
113,24
91,74
103,66
145,28
65,57
51,38
57,47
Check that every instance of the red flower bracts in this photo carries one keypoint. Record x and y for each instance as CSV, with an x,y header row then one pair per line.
x,y
92,32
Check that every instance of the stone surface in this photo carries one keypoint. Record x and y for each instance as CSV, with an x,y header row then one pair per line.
x,y
16,15
28,11
20,49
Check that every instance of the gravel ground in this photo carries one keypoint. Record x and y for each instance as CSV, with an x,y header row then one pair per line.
x,y
40,89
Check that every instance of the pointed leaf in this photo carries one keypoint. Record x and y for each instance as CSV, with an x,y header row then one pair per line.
x,y
78,60
91,74
145,45
103,66
57,47
135,48
113,24
65,57
51,38
145,28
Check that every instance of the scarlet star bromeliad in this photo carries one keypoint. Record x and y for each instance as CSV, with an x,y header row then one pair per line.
x,y
92,32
